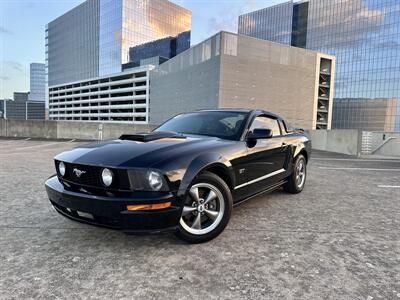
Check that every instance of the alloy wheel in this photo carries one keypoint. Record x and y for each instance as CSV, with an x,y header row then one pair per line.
x,y
300,173
203,209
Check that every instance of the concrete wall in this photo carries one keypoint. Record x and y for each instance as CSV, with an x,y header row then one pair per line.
x,y
187,82
67,130
3,127
346,141
385,143
31,128
260,74
234,71
390,148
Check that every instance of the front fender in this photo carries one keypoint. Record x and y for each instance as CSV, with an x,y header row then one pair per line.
x,y
200,163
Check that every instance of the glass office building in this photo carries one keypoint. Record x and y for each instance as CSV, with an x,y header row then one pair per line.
x,y
364,35
128,23
94,38
37,82
72,44
272,23
162,49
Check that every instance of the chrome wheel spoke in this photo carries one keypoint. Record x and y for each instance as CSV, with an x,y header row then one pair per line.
x,y
211,214
194,192
197,222
300,174
211,196
187,210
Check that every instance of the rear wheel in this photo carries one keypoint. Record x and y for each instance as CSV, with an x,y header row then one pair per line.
x,y
207,209
296,181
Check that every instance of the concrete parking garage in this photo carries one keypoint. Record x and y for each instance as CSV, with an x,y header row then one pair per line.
x,y
338,239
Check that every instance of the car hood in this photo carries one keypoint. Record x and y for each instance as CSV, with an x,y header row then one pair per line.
x,y
128,153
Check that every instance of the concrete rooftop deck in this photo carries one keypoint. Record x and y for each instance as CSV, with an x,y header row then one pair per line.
x,y
338,239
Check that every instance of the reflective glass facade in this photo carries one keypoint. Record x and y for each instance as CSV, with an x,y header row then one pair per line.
x,y
299,25
37,82
72,44
110,36
125,24
272,23
165,48
94,38
364,35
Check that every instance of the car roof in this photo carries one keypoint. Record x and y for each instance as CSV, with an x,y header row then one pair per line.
x,y
227,109
244,110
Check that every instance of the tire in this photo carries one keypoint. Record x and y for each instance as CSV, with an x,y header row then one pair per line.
x,y
293,184
201,207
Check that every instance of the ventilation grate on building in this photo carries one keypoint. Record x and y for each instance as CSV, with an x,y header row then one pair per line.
x,y
366,142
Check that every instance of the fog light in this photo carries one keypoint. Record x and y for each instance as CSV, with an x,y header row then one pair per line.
x,y
107,177
149,206
61,168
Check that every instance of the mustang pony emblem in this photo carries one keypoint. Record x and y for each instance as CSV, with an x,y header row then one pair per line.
x,y
78,172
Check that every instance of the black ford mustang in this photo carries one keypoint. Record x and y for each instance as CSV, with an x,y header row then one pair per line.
x,y
184,176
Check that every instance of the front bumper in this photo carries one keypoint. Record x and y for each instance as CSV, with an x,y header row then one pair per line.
x,y
111,212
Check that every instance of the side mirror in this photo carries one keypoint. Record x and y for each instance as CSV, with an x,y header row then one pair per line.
x,y
260,133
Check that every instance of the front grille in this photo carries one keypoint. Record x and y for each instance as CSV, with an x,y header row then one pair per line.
x,y
90,176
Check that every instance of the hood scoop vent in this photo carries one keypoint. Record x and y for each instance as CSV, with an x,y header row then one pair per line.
x,y
151,136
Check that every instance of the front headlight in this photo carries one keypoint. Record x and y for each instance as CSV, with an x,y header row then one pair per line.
x,y
147,180
155,180
61,168
107,177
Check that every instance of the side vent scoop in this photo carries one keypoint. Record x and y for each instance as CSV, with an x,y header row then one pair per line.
x,y
151,136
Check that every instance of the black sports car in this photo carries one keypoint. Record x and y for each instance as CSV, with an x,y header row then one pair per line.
x,y
184,176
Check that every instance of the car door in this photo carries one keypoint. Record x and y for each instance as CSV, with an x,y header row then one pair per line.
x,y
265,160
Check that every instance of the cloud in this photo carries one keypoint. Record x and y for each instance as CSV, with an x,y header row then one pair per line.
x,y
4,30
14,65
228,16
228,23
180,2
5,78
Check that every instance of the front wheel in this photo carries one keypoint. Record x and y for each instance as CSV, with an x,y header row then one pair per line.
x,y
207,209
296,181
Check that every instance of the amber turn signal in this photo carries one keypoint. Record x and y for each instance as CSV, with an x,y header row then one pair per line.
x,y
148,206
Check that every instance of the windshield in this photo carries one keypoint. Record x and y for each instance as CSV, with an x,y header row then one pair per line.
x,y
222,124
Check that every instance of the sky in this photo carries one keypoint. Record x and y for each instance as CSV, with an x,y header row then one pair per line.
x,y
22,24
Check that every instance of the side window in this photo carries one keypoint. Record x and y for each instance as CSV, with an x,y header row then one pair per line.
x,y
267,123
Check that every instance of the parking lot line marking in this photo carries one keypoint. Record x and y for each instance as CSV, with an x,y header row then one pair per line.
x,y
355,159
42,145
389,186
359,169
